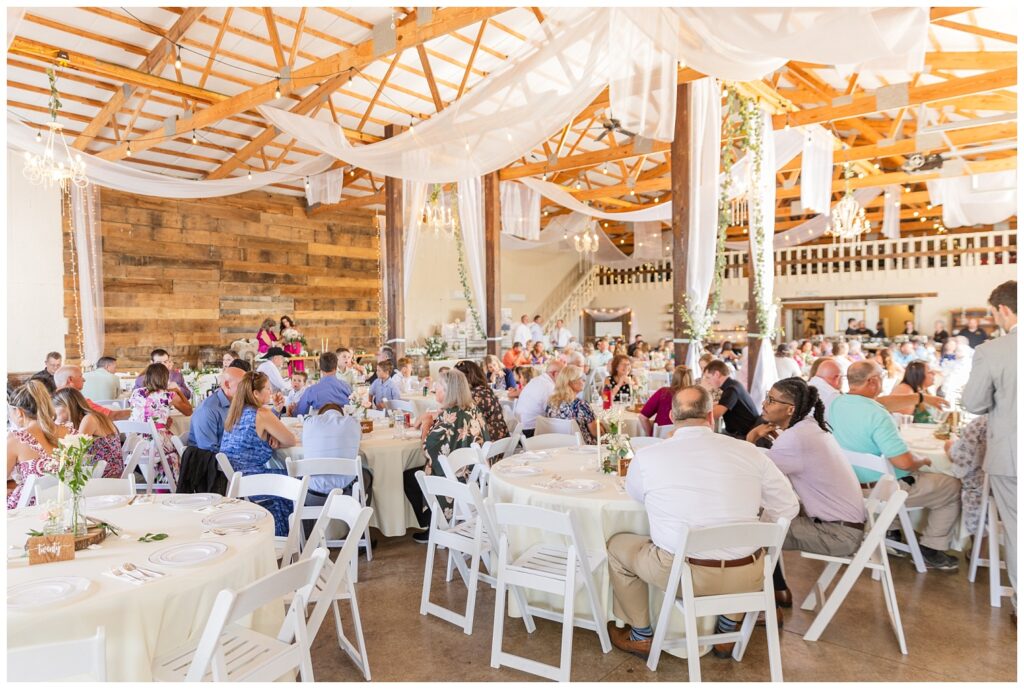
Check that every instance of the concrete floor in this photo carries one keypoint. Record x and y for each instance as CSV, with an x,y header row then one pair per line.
x,y
952,633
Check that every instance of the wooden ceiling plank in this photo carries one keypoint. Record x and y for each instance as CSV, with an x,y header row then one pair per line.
x,y
472,58
376,94
298,35
976,30
429,75
275,40
216,47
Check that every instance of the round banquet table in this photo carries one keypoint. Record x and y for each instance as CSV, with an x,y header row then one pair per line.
x,y
142,621
387,457
599,516
421,403
921,440
180,425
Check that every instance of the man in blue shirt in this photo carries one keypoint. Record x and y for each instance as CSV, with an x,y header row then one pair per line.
x,y
860,424
329,390
383,387
207,423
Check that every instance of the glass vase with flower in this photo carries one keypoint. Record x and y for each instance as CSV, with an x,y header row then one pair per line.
x,y
72,471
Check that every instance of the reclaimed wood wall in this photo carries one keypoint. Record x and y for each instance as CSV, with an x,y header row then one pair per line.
x,y
192,276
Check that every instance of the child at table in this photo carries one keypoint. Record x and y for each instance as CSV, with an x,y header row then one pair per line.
x,y
298,380
403,376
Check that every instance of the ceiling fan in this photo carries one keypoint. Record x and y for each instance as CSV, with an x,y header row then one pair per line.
x,y
611,124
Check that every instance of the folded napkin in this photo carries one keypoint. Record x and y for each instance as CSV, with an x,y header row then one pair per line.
x,y
135,577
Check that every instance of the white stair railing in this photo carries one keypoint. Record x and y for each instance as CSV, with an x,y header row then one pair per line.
x,y
570,297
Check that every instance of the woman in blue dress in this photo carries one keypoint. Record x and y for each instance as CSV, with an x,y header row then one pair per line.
x,y
251,434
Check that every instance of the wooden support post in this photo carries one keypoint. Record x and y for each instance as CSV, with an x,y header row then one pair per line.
x,y
681,188
492,261
393,271
753,343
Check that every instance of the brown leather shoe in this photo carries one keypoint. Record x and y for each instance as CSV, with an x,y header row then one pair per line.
x,y
723,650
784,598
621,640
762,620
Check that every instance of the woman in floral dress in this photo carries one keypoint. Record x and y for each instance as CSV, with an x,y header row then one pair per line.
x,y
153,402
967,454
292,340
33,437
485,400
564,403
72,407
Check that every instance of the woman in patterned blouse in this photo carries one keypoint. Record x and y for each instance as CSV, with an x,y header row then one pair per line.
x,y
967,453
485,399
72,407
566,404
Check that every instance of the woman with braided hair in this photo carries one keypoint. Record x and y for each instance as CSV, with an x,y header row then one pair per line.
x,y
831,519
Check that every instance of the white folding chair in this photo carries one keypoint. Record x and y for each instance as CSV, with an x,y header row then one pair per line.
x,y
559,569
515,439
551,441
882,465
28,491
679,595
229,652
639,443
179,445
46,490
401,405
98,468
663,432
43,488
144,434
882,507
336,582
375,414
468,538
546,425
498,448
286,487
343,467
77,659
225,466
991,526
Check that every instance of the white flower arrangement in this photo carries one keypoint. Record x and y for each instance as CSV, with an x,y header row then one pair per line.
x,y
615,440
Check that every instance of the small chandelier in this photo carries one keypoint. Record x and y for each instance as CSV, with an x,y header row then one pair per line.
x,y
439,212
847,223
55,166
586,241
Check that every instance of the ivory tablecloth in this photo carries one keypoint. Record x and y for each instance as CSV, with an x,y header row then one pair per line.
x,y
599,516
142,622
920,438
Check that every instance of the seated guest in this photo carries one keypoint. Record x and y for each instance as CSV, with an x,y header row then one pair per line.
x,y
855,353
851,327
403,375
497,377
328,390
967,454
383,388
273,360
941,334
241,365
101,383
601,356
71,377
515,357
862,329
332,435
696,478
826,377
207,426
483,397
459,424
160,356
54,360
346,370
537,355
892,373
265,336
975,335
228,358
620,383
659,406
251,434
71,407
917,378
735,405
879,330
904,354
785,365
298,386
153,402
908,329
33,437
535,395
385,353
831,521
565,403
861,424
522,375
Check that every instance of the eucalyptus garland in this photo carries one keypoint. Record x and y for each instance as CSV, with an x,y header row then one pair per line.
x,y
758,240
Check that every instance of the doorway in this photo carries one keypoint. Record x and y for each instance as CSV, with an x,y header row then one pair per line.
x,y
803,321
893,316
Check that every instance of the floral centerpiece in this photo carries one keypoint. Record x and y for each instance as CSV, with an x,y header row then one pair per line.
x,y
435,347
291,336
616,442
69,467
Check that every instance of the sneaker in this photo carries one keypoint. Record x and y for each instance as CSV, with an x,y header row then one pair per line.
x,y
422,536
936,559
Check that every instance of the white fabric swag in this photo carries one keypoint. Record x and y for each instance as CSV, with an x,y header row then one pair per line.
x,y
982,199
325,187
891,207
85,224
471,221
520,211
765,373
414,195
647,241
816,170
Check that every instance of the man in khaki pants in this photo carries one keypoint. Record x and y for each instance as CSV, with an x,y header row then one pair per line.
x,y
696,478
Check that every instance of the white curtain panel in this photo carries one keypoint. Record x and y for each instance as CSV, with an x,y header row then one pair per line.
x,y
471,219
647,240
520,211
414,195
982,199
125,177
642,84
816,169
325,187
765,373
891,207
85,221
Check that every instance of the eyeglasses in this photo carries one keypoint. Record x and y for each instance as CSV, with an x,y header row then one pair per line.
x,y
771,400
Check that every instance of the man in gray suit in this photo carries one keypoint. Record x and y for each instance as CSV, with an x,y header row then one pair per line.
x,y
992,390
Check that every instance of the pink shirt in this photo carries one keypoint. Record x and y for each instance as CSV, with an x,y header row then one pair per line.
x,y
661,403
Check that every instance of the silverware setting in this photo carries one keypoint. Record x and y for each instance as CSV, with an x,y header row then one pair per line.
x,y
135,573
232,530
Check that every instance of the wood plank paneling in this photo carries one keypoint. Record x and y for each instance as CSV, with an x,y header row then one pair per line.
x,y
192,276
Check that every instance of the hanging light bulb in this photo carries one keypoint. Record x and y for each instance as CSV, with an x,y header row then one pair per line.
x,y
39,137
195,139
249,176
277,89
604,169
177,59
128,153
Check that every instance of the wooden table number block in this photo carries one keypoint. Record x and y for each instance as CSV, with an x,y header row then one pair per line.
x,y
42,549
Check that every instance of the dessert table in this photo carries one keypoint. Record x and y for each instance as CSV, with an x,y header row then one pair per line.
x,y
599,514
146,620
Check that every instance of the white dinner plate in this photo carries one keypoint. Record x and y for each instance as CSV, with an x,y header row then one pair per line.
x,y
519,470
102,502
44,592
583,450
578,485
188,554
191,501
534,456
234,518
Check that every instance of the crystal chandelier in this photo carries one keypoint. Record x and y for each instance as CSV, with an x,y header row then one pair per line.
x,y
56,166
438,212
586,241
847,222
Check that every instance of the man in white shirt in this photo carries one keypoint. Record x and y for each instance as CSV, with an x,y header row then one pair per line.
x,y
522,331
561,335
534,397
602,355
843,361
271,368
102,383
827,380
696,478
537,329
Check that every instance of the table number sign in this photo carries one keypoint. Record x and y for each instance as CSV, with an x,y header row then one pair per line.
x,y
366,425
57,548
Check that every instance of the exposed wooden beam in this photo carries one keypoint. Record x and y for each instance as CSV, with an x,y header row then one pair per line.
x,y
275,40
376,95
348,203
976,30
580,160
428,73
152,64
988,60
216,47
298,35
942,12
472,58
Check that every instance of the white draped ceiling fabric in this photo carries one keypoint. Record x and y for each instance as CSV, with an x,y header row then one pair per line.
x,y
520,211
816,170
977,199
325,187
765,373
85,224
891,211
471,222
414,195
15,15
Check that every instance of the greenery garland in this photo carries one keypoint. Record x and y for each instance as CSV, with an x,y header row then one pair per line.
x,y
758,240
467,293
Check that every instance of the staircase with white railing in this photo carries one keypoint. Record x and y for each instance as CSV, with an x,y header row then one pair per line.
x,y
570,296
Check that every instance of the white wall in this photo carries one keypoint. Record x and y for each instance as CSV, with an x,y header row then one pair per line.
x,y
435,295
35,271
